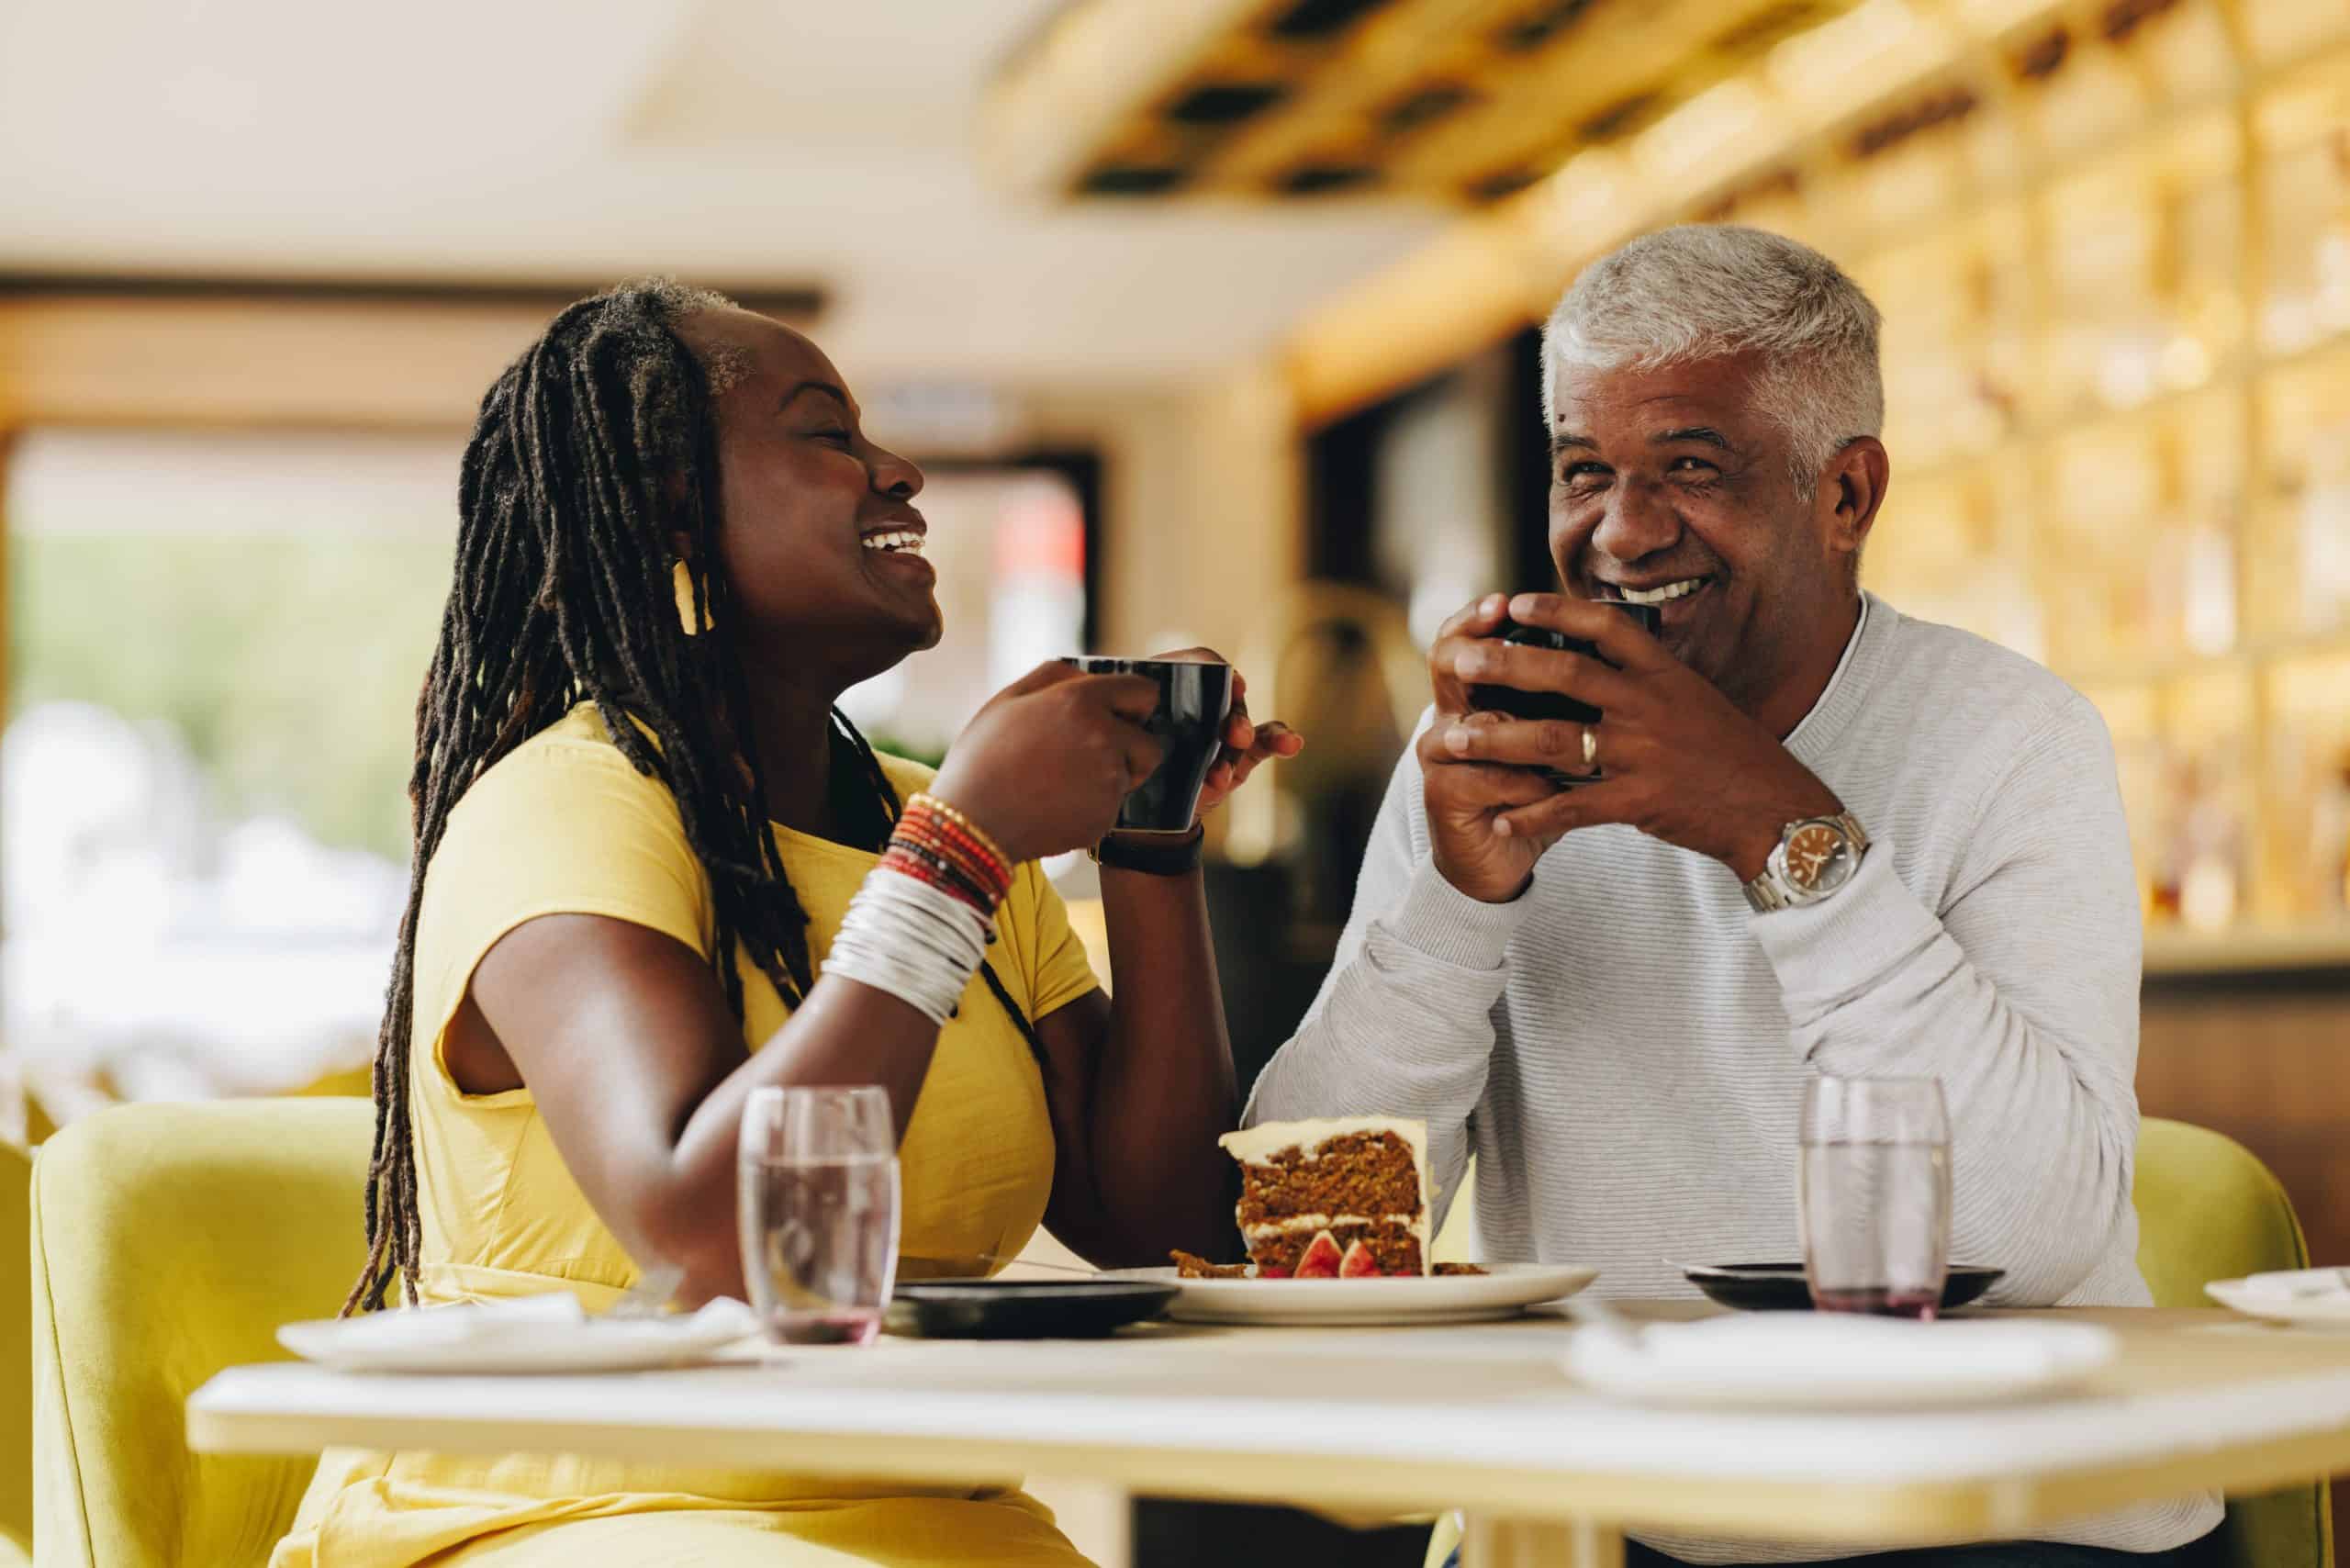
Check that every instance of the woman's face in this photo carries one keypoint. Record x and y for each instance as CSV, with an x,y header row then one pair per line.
x,y
818,528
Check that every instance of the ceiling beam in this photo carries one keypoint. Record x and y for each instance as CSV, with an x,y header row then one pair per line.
x,y
1500,269
204,351
796,304
1054,101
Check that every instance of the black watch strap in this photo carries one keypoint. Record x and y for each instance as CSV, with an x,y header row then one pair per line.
x,y
1174,857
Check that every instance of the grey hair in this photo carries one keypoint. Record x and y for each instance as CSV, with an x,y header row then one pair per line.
x,y
1701,290
725,364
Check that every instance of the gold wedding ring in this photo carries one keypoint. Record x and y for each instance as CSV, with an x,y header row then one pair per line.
x,y
1590,748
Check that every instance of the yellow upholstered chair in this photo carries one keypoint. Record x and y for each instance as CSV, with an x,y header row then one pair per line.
x,y
15,1362
2207,1210
168,1242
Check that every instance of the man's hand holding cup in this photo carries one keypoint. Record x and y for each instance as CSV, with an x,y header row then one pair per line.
x,y
1674,757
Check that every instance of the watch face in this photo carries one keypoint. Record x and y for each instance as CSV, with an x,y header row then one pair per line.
x,y
1815,856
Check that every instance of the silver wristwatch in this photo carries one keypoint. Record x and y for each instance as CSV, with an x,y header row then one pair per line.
x,y
1814,856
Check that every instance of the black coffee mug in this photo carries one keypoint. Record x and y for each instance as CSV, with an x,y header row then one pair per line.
x,y
1194,699
1558,704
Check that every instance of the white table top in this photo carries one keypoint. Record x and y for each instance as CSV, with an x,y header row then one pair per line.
x,y
1389,1419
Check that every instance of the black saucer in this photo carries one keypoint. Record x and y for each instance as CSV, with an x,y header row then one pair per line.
x,y
1781,1287
1023,1309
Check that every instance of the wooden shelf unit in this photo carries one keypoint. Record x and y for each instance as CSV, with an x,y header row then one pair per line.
x,y
2117,356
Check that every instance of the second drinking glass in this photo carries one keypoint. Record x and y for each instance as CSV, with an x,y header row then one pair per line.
x,y
1874,1201
817,1201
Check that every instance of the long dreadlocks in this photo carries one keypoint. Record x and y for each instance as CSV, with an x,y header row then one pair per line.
x,y
589,455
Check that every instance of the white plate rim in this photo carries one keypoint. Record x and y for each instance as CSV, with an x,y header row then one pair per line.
x,y
579,1347
2328,1312
1506,1290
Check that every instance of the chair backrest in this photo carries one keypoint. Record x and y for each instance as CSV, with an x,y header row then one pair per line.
x,y
16,1357
169,1242
2208,1210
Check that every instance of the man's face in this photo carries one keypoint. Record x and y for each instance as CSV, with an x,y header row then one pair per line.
x,y
1671,481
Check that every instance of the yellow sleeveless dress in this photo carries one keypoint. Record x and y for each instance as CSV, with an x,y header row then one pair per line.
x,y
565,825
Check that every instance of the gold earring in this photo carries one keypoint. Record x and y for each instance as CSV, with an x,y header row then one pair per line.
x,y
683,578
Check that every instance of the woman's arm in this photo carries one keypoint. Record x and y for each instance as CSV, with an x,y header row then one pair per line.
x,y
625,1041
623,1035
1142,1086
1141,1082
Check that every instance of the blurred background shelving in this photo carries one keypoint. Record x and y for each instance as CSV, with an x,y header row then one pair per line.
x,y
2126,381
2112,242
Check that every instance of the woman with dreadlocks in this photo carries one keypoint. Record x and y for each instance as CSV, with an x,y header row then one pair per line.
x,y
656,868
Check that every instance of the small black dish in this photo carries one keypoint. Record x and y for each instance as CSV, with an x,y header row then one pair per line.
x,y
1781,1287
1023,1309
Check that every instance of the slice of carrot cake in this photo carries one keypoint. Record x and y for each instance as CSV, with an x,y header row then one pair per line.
x,y
1347,1197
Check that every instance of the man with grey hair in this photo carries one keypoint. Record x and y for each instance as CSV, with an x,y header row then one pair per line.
x,y
1826,839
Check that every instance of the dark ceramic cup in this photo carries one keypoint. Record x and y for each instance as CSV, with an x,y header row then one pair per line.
x,y
1194,699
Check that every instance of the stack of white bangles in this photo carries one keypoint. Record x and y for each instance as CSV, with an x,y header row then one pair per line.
x,y
919,942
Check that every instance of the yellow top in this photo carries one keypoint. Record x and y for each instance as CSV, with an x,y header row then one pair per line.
x,y
566,824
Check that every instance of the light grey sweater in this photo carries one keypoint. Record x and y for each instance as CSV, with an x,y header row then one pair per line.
x,y
1624,1046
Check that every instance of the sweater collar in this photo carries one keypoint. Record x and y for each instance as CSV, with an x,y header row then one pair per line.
x,y
1847,688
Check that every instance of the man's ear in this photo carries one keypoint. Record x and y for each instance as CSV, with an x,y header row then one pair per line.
x,y
1850,492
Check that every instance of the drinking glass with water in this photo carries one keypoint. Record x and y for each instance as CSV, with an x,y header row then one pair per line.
x,y
1875,1195
818,1206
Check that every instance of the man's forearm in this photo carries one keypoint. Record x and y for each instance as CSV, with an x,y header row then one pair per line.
x,y
2044,1117
1403,1027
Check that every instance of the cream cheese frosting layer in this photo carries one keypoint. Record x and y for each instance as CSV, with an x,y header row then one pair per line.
x,y
1259,1143
1310,1223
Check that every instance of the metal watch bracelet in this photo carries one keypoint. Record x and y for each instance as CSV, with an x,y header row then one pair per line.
x,y
1774,891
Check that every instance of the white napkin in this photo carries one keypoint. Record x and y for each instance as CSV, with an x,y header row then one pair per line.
x,y
1835,1357
527,1332
2298,1285
1845,1345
